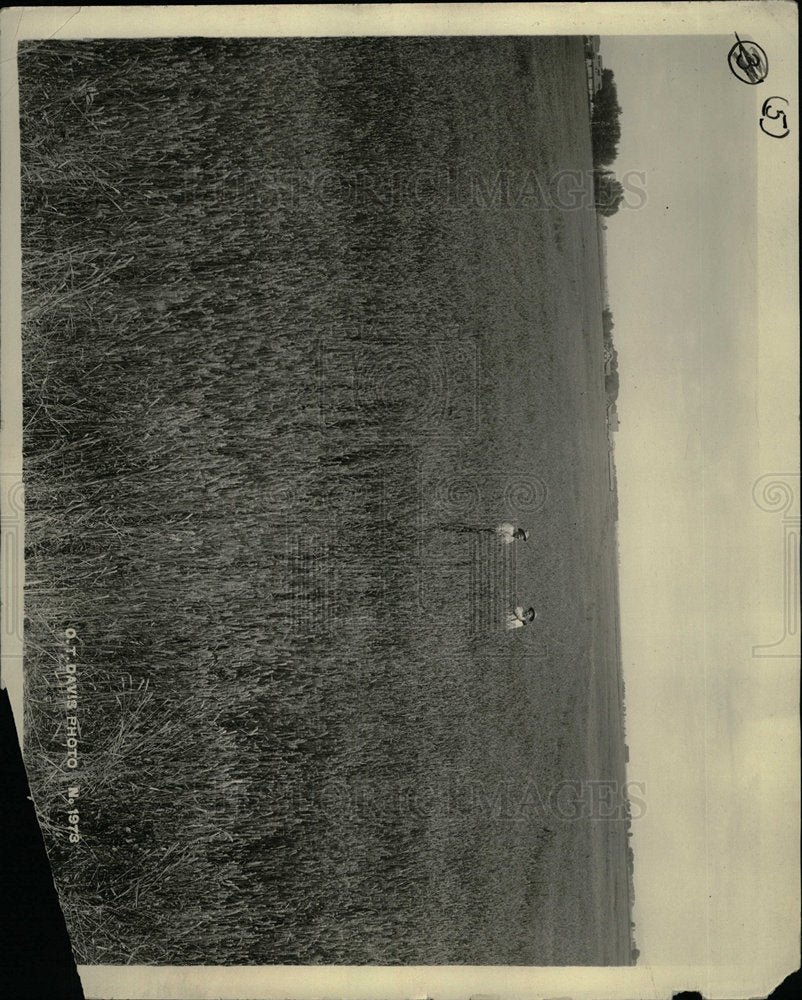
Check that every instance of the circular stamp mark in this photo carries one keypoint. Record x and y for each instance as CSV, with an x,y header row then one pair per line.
x,y
748,62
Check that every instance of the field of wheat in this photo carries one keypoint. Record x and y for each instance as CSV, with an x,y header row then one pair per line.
x,y
292,342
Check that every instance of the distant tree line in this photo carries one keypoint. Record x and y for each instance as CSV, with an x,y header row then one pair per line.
x,y
605,125
607,324
611,373
605,134
611,380
608,192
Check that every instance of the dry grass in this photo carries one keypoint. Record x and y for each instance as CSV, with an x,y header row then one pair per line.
x,y
224,434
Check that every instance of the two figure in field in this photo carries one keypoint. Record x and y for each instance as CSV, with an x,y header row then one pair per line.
x,y
508,534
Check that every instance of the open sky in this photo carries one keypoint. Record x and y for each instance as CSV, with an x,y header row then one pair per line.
x,y
682,285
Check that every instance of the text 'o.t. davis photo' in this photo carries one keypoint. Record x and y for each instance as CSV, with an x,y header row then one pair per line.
x,y
378,402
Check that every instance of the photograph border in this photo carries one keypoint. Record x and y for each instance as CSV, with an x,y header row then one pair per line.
x,y
777,266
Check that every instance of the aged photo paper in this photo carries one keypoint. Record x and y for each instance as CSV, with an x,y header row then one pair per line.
x,y
400,494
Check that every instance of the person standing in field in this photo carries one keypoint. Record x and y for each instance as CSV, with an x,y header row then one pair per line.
x,y
519,617
508,533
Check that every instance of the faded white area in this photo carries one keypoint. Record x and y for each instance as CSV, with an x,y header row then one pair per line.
x,y
701,563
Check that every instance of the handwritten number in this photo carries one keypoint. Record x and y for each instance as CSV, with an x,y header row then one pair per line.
x,y
772,113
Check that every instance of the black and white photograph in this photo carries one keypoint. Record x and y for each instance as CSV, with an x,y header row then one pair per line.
x,y
400,494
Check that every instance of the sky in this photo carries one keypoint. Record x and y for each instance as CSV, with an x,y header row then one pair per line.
x,y
683,292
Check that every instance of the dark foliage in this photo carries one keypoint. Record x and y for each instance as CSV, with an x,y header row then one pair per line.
x,y
605,124
607,324
609,192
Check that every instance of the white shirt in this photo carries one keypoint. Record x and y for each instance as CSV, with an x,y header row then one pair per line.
x,y
506,532
515,620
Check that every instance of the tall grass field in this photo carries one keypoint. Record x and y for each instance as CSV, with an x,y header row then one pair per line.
x,y
302,319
